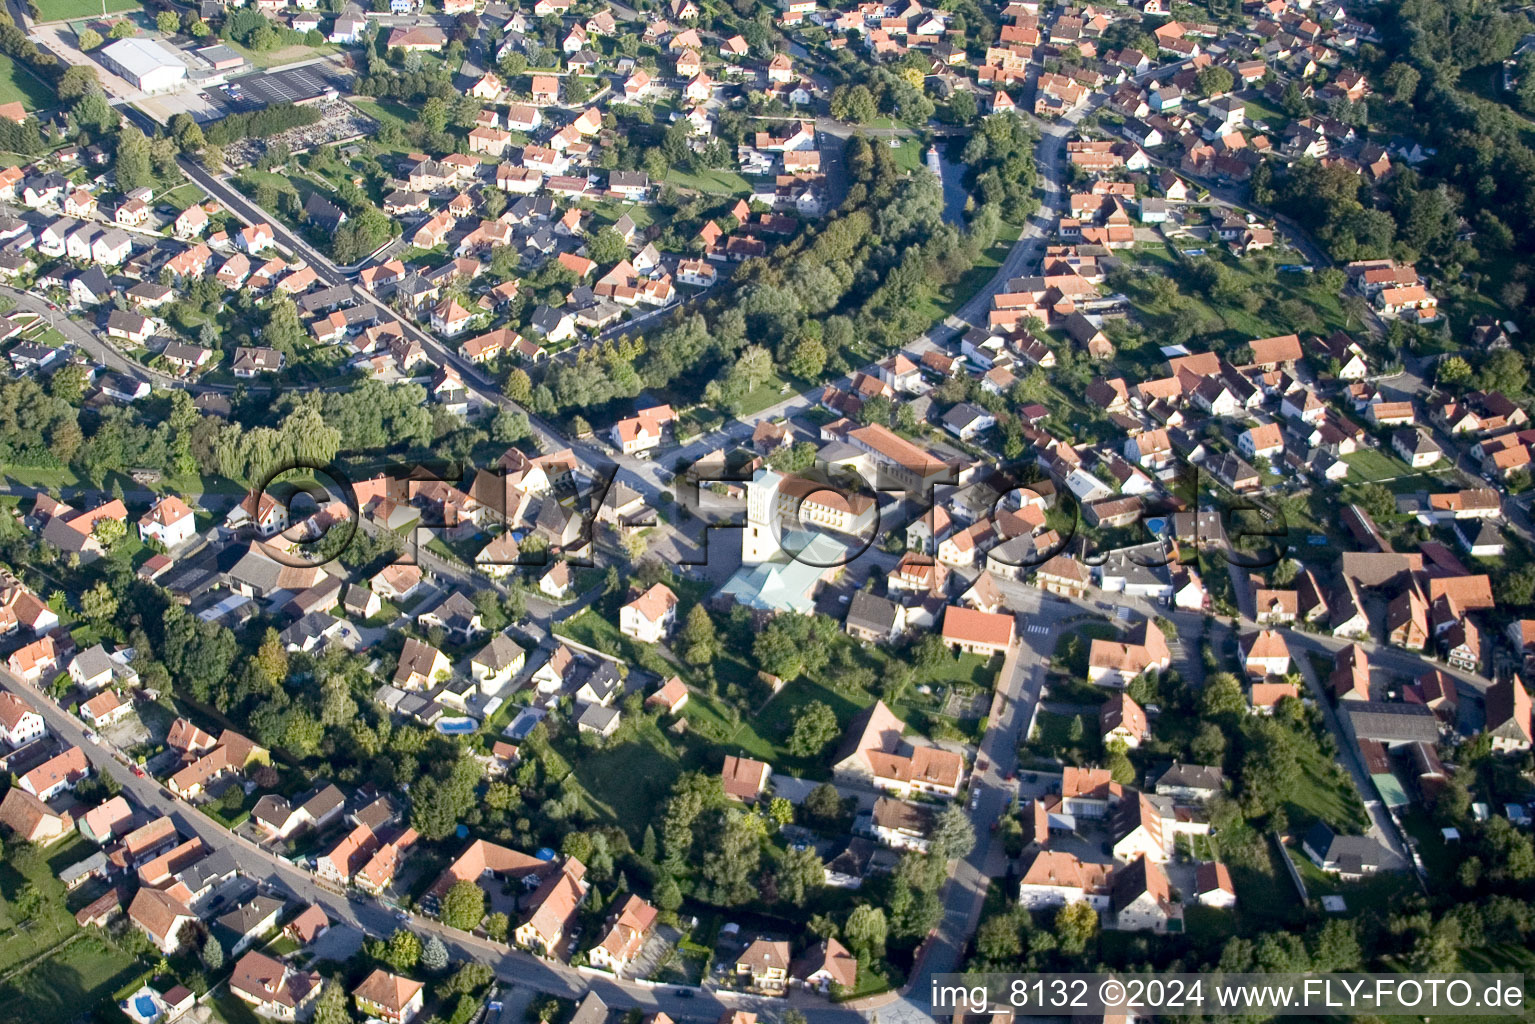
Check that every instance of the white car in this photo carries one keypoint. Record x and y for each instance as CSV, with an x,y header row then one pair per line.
x,y
92,737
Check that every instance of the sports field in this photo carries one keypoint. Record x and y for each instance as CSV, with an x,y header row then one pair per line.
x,y
68,10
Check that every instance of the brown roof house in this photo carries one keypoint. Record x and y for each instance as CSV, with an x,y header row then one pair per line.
x,y
389,997
766,963
875,753
827,967
552,908
625,937
272,988
744,778
162,917
30,820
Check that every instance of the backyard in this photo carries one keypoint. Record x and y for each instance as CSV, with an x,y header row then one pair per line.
x,y
60,967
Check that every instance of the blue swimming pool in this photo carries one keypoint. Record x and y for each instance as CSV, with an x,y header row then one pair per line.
x,y
456,726
1156,525
144,1006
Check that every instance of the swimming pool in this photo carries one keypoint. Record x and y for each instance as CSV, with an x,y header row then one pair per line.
x,y
456,726
1156,525
144,1006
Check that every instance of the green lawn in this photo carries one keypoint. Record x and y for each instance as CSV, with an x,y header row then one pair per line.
x,y
80,971
68,10
1263,305
1321,793
716,181
908,155
58,989
627,781
285,55
1372,466
944,301
22,938
17,82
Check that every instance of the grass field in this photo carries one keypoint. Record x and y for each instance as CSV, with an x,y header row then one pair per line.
x,y
284,55
57,989
1320,793
17,82
944,301
633,777
720,182
80,971
68,10
1267,304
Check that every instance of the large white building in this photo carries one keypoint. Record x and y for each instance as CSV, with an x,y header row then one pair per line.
x,y
147,63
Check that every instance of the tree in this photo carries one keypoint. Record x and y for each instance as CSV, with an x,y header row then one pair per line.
x,y
962,106
731,859
1075,925
1377,500
496,926
77,79
865,931
403,950
998,938
168,23
953,835
123,29
213,954
800,874
815,726
99,604
470,978
434,955
699,643
667,894
88,39
1118,763
331,1007
1209,744
1214,80
133,164
808,359
853,103
606,247
510,426
93,113
1504,371
823,803
1401,80
1516,586
1454,371
1223,696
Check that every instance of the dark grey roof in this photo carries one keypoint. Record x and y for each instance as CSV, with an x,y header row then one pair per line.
x,y
867,611
324,802
216,867
499,653
327,299
243,919
93,661
1392,722
591,1011
1349,854
597,716
1192,776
